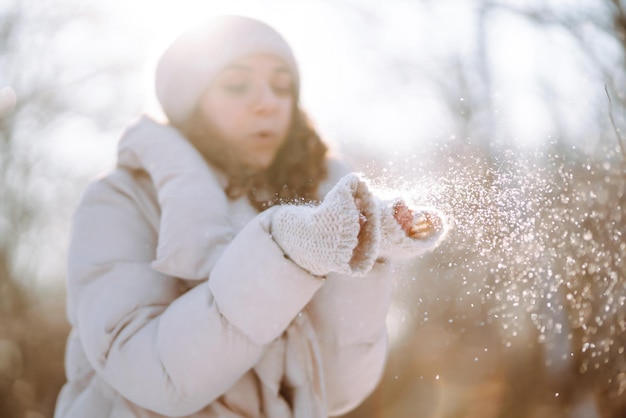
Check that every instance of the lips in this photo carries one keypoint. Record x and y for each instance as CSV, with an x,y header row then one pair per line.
x,y
264,137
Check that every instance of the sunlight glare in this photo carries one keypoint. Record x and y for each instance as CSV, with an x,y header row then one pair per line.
x,y
156,24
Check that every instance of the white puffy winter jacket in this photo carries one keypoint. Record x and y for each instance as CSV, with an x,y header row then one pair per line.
x,y
182,304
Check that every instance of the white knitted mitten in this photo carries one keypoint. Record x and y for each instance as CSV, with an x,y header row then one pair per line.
x,y
427,231
335,236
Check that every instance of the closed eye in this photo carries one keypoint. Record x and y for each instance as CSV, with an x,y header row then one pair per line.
x,y
236,89
283,89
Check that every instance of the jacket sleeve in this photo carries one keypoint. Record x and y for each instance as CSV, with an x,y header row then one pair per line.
x,y
164,349
349,316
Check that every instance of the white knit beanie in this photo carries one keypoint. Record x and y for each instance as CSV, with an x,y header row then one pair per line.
x,y
188,65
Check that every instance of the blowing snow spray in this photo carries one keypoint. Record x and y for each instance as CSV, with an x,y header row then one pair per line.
x,y
536,250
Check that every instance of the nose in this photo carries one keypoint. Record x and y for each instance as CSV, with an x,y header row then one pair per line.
x,y
266,100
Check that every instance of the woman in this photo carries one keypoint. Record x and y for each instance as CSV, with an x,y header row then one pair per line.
x,y
227,267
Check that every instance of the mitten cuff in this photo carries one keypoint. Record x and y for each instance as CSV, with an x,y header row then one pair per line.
x,y
366,253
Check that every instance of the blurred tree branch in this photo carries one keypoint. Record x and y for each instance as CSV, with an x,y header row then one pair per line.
x,y
54,85
612,24
617,134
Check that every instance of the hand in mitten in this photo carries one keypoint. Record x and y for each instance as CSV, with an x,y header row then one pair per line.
x,y
341,235
408,232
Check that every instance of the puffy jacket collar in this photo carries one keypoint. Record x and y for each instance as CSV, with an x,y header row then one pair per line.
x,y
194,226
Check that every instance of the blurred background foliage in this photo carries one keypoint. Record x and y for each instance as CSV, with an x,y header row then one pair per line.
x,y
506,114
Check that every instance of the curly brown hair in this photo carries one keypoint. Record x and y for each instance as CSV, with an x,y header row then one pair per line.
x,y
293,177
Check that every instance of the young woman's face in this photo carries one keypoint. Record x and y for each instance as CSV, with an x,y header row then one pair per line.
x,y
249,106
